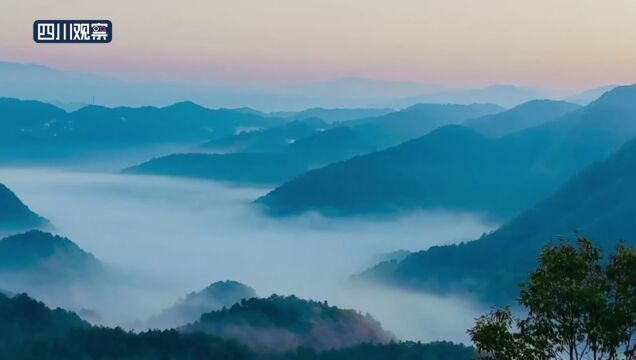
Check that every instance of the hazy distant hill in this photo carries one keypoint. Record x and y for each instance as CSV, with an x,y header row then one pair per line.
x,y
456,168
246,168
502,95
344,141
526,115
587,96
37,258
180,122
20,117
33,130
14,215
24,319
270,168
416,121
285,323
334,115
30,330
336,144
268,140
355,91
69,106
214,297
600,203
30,81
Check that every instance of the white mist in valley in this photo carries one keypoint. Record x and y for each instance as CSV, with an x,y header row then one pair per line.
x,y
173,236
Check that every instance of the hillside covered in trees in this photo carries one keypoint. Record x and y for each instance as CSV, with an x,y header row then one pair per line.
x,y
457,169
32,331
285,323
216,296
15,215
599,203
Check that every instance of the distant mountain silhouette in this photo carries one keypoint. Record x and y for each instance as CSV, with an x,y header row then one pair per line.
x,y
268,140
44,264
217,296
244,168
334,115
34,130
22,114
29,81
356,91
502,95
587,96
285,323
526,115
14,215
185,121
271,168
416,121
344,141
69,106
249,111
598,203
458,169
336,144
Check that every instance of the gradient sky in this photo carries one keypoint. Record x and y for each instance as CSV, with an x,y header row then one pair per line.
x,y
552,43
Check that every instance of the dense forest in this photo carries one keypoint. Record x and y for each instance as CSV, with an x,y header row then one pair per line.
x,y
116,344
598,203
31,331
578,304
24,319
285,323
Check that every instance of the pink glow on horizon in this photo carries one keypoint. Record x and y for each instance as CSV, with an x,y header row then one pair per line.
x,y
456,43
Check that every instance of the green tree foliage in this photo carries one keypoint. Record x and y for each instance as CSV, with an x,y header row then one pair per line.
x,y
283,323
117,344
579,306
620,322
31,331
442,350
23,319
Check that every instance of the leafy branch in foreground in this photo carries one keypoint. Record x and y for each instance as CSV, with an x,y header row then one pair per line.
x,y
578,306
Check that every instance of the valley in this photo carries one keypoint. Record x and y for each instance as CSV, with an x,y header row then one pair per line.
x,y
173,236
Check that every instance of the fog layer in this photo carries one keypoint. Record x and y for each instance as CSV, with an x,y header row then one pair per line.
x,y
172,236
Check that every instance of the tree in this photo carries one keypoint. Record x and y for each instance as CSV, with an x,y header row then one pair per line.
x,y
621,320
495,338
578,307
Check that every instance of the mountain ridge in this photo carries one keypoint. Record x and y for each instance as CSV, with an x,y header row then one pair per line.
x,y
449,169
15,215
597,203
